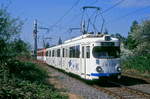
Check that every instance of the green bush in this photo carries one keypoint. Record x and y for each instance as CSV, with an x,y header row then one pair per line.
x,y
27,71
139,63
14,89
25,80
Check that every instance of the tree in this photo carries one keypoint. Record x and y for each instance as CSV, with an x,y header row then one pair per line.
x,y
9,27
19,46
106,31
47,45
142,37
120,37
59,41
139,38
131,42
143,33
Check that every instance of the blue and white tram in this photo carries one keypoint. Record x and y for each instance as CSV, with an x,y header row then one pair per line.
x,y
89,56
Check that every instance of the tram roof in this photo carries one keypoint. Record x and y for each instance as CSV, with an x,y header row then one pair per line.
x,y
86,38
93,37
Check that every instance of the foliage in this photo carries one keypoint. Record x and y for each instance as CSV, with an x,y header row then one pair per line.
x,y
47,45
19,46
106,31
142,34
120,37
25,80
59,41
131,42
26,71
138,43
139,63
15,88
8,26
139,38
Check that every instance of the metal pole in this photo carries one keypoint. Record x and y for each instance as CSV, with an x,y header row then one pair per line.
x,y
35,38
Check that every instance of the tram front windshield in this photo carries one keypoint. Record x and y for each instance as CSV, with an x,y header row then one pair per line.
x,y
106,52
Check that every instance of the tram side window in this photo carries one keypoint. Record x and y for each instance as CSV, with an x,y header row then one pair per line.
x,y
58,52
66,53
63,52
71,52
74,52
53,53
50,53
42,53
77,52
38,54
46,53
87,51
82,52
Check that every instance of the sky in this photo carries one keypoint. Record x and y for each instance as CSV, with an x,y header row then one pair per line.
x,y
47,12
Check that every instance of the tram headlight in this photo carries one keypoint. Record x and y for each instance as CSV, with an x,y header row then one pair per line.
x,y
99,69
119,69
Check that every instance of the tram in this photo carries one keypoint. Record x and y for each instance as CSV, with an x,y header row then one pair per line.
x,y
89,56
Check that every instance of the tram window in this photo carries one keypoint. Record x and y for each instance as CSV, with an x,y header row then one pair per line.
x,y
73,52
39,53
46,53
58,52
49,53
67,53
63,52
87,51
82,52
77,51
106,52
53,53
70,52
42,54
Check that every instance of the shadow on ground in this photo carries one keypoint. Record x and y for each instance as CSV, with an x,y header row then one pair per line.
x,y
125,80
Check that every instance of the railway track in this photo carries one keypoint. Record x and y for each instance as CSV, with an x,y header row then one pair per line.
x,y
123,92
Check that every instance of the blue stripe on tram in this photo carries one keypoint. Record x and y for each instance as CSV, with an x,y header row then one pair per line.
x,y
103,74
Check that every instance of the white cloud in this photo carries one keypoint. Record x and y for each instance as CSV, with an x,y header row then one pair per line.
x,y
134,3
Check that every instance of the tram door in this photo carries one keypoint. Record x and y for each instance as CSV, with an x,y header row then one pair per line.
x,y
85,60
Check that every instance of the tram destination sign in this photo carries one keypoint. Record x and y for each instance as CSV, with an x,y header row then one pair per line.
x,y
107,43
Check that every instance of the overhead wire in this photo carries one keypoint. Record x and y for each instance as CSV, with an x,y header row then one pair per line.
x,y
76,3
108,9
75,17
128,14
61,18
115,5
